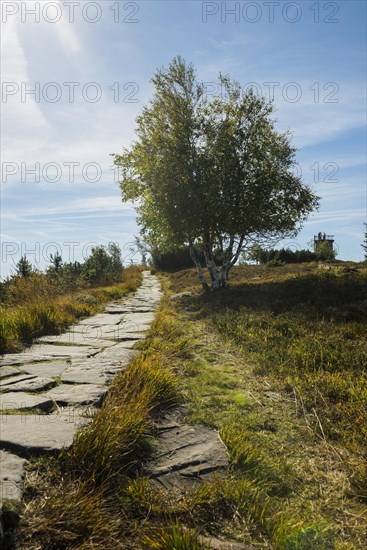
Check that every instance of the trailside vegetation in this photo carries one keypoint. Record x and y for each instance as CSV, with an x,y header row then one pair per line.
x,y
33,303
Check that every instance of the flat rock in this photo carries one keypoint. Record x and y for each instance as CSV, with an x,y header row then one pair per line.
x,y
113,332
86,373
11,476
217,544
128,344
100,320
77,339
7,372
123,335
136,322
100,369
25,401
48,369
28,435
15,380
77,394
118,353
45,352
30,384
186,455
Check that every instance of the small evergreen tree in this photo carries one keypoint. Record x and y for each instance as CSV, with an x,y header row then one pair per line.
x,y
23,267
114,252
96,268
56,263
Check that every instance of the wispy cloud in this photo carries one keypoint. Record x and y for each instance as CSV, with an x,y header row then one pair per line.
x,y
68,38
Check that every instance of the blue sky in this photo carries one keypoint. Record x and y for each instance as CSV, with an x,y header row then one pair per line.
x,y
58,188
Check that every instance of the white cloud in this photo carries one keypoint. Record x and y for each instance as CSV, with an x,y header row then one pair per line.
x,y
336,216
66,35
17,114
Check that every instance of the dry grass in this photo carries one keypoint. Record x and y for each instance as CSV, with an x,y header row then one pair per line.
x,y
35,310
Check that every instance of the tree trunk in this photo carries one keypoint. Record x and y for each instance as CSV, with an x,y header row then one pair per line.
x,y
212,268
226,263
198,267
238,252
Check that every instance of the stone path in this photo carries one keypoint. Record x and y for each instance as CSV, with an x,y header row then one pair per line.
x,y
46,390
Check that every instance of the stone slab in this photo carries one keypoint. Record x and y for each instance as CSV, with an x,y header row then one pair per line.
x,y
186,455
48,369
77,339
125,336
32,384
112,332
100,320
128,308
217,544
7,372
11,476
15,379
85,373
128,344
25,401
118,353
28,435
46,352
138,318
77,394
100,369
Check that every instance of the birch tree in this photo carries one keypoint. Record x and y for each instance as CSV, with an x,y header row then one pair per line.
x,y
212,175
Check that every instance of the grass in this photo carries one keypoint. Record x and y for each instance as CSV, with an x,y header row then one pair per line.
x,y
280,370
277,364
87,498
35,310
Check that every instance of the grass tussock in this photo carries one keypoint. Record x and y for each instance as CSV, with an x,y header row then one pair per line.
x,y
118,437
33,308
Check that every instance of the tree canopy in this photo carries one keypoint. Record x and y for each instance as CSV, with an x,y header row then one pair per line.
x,y
211,175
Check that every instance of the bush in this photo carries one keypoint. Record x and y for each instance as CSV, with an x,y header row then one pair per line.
x,y
275,263
284,255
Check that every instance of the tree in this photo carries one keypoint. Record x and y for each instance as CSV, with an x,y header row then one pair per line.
x,y
96,268
23,267
255,253
103,265
114,252
56,264
325,251
364,244
143,249
211,175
